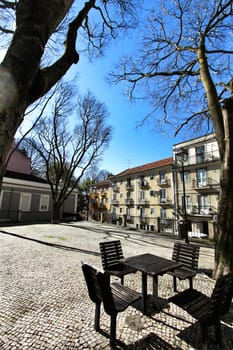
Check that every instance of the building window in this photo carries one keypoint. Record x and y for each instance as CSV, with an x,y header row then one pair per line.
x,y
44,202
128,213
151,176
188,204
186,176
162,193
152,211
142,194
201,177
163,213
200,154
121,210
203,203
142,212
25,201
121,195
162,177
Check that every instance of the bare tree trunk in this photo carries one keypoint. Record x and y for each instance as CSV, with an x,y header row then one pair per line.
x,y
22,81
56,213
224,238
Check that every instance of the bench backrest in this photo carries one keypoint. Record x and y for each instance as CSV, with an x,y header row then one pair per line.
x,y
111,253
90,274
106,292
221,297
186,254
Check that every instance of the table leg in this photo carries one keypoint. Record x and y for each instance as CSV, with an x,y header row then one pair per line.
x,y
155,286
144,292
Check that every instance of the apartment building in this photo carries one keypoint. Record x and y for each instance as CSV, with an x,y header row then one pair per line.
x,y
161,195
196,184
141,197
99,205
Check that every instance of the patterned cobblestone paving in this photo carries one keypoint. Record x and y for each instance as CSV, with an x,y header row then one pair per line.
x,y
43,297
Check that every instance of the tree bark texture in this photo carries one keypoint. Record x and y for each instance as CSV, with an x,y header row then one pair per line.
x,y
22,81
224,238
223,123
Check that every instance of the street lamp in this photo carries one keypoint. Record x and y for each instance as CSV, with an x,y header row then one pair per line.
x,y
181,157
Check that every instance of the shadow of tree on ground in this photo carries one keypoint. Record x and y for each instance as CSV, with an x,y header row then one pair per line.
x,y
54,245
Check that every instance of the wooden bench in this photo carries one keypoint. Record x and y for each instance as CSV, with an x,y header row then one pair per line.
x,y
188,255
111,254
208,311
115,297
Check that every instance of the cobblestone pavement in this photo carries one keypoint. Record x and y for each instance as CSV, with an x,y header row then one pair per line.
x,y
43,297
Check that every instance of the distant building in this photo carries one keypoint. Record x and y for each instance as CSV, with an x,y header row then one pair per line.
x,y
25,197
140,197
99,205
154,197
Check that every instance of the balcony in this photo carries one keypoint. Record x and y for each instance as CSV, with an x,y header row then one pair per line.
x,y
143,201
200,159
201,210
115,202
104,193
129,201
205,185
94,194
103,206
129,187
116,188
143,184
163,182
165,201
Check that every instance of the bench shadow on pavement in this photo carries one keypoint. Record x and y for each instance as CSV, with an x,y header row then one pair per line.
x,y
191,334
149,342
54,245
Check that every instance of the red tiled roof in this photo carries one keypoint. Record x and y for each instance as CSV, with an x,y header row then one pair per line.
x,y
148,166
104,183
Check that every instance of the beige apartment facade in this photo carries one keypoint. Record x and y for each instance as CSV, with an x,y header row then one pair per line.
x,y
196,184
142,197
160,196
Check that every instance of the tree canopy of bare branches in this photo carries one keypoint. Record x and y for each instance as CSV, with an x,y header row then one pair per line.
x,y
184,67
184,46
30,29
63,154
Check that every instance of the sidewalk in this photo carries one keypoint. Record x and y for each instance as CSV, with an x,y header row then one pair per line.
x,y
44,303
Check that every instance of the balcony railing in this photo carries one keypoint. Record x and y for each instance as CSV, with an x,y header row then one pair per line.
x,y
199,210
165,201
129,201
115,202
143,183
163,182
129,187
205,184
104,193
201,158
143,201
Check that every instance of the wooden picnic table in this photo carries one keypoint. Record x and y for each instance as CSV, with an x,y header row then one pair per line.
x,y
153,265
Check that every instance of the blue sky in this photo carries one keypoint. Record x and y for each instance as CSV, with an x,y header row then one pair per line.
x,y
130,145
